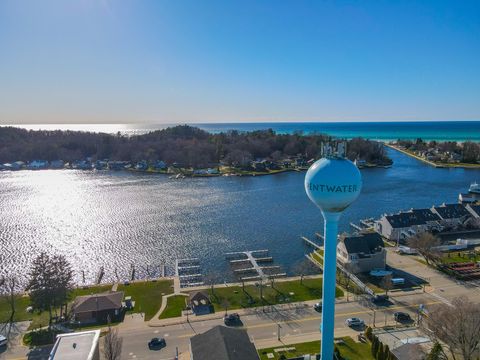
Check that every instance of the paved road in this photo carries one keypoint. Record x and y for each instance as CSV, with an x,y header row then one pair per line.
x,y
263,328
297,325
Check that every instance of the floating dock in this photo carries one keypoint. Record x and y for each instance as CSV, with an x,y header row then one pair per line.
x,y
247,265
189,272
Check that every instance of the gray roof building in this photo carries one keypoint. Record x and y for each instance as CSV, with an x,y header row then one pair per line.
x,y
411,218
222,343
98,302
367,243
451,211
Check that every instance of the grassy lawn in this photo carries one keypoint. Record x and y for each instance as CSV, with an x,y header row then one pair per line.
x,y
175,305
147,295
349,350
39,318
459,256
283,292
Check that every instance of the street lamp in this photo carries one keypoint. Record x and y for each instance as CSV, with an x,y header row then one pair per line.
x,y
332,183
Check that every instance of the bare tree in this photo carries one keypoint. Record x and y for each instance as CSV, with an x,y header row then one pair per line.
x,y
387,283
225,304
457,326
112,345
211,279
304,267
9,286
425,244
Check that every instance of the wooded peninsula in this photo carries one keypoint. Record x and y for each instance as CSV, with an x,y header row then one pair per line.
x,y
179,147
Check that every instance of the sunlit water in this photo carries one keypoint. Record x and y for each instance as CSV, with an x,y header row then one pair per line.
x,y
114,219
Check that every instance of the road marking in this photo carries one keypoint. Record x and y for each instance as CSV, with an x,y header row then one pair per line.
x,y
318,317
441,298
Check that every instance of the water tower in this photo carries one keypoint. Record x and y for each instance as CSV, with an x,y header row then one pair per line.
x,y
332,183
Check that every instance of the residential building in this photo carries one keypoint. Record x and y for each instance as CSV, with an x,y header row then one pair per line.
x,y
223,343
474,210
37,165
401,226
57,164
76,346
98,307
362,252
451,215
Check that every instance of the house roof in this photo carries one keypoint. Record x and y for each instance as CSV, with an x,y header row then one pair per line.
x,y
409,352
367,243
475,208
76,346
98,302
199,298
223,343
411,218
451,211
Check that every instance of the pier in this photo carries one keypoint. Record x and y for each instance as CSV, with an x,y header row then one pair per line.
x,y
248,265
189,272
311,243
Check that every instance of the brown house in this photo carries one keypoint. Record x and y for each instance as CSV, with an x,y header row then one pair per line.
x,y
98,307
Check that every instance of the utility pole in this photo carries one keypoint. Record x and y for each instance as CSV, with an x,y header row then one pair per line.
x,y
278,332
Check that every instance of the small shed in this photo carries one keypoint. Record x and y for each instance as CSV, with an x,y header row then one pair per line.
x,y
200,303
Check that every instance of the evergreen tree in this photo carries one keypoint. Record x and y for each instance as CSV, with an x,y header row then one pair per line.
x,y
386,352
436,353
379,354
50,281
369,333
374,346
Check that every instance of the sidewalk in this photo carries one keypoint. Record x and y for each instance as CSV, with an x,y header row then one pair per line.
x,y
155,322
301,338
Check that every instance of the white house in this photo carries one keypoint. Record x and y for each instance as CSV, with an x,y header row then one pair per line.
x,y
474,210
362,252
403,225
452,214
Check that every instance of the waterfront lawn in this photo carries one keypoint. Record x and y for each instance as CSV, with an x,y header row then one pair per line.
x,y
147,295
349,350
175,305
39,318
282,292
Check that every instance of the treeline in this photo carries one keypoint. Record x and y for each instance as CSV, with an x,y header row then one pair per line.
x,y
184,144
468,151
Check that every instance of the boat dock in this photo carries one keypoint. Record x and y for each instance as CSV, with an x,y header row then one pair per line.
x,y
311,243
189,272
247,265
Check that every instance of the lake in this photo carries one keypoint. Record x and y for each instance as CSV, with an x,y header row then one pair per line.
x,y
113,219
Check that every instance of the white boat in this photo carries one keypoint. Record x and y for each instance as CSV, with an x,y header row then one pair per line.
x,y
474,188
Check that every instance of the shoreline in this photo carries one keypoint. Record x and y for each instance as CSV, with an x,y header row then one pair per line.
x,y
432,163
183,174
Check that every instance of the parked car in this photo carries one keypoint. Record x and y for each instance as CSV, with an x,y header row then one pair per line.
x,y
354,322
3,341
378,299
231,319
157,343
318,307
402,317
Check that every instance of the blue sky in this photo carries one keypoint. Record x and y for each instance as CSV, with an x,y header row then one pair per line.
x,y
100,61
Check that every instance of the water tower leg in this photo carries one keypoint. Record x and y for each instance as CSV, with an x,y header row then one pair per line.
x,y
329,279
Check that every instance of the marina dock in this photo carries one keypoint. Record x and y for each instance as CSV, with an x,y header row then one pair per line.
x,y
189,272
247,265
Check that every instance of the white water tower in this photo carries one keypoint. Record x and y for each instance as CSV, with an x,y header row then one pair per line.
x,y
332,183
